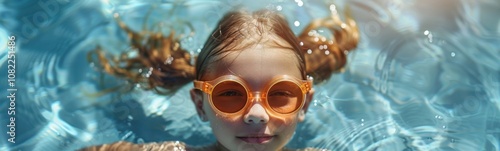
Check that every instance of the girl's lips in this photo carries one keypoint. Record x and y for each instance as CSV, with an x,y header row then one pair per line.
x,y
256,139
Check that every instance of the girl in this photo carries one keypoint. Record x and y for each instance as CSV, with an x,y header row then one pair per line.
x,y
250,78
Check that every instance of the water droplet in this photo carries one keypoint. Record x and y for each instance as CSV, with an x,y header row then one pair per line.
x,y
318,103
312,33
323,39
301,43
426,32
296,23
362,120
140,70
439,117
452,54
147,75
279,8
343,25
333,8
444,126
130,117
316,39
309,51
320,47
169,60
327,52
300,3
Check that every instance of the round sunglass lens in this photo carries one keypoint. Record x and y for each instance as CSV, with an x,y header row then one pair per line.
x,y
285,97
229,96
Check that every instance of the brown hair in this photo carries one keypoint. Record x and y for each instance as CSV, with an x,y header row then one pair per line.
x,y
239,29
169,66
324,56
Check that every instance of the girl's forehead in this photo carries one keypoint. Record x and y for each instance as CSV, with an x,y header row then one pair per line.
x,y
256,65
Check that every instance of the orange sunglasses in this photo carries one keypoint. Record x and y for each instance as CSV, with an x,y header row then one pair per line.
x,y
231,95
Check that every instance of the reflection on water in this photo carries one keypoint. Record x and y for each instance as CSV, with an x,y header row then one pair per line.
x,y
424,77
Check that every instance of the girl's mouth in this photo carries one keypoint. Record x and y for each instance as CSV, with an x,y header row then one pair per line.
x,y
256,139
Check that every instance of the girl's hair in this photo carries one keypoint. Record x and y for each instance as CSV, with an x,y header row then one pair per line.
x,y
239,29
166,66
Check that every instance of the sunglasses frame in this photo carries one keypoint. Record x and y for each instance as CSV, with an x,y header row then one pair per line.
x,y
208,86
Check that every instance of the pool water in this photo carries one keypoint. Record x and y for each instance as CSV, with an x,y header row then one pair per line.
x,y
425,76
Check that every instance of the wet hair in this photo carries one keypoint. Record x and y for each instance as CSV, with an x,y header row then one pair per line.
x,y
168,66
240,29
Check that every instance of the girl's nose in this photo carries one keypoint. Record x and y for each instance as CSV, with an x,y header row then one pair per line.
x,y
256,115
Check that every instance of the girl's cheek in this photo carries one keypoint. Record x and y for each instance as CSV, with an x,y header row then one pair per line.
x,y
222,121
281,124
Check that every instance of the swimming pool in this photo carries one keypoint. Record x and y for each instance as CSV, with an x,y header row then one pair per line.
x,y
426,75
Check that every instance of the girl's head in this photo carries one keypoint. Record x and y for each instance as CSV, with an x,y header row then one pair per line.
x,y
253,49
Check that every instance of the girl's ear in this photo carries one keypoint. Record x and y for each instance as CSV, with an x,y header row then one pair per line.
x,y
302,112
197,98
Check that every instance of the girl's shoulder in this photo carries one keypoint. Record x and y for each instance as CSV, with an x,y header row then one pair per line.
x,y
163,146
122,145
307,149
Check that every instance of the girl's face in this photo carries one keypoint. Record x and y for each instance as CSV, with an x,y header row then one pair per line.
x,y
254,129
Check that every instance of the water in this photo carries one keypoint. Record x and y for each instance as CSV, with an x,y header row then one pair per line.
x,y
426,75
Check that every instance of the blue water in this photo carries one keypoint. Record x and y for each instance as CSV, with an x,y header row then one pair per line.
x,y
426,75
